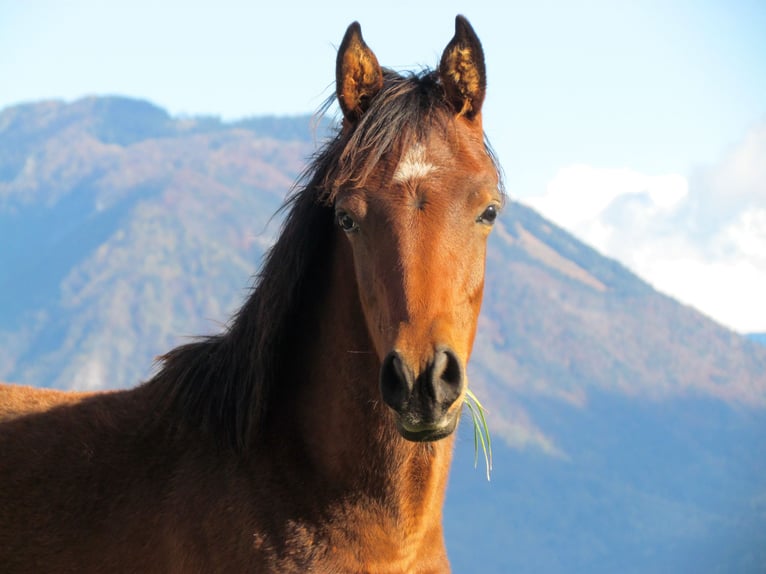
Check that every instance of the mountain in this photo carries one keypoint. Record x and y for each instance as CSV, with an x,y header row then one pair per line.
x,y
628,429
757,337
127,231
567,322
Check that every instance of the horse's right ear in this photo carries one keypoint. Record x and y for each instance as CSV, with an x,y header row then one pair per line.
x,y
358,76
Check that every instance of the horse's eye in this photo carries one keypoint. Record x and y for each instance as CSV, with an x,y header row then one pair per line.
x,y
346,222
489,215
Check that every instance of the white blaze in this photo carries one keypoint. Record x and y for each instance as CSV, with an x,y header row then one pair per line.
x,y
414,165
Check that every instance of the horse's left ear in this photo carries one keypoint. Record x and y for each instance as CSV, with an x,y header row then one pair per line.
x,y
358,76
462,70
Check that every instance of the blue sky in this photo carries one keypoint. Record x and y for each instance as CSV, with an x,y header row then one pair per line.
x,y
597,109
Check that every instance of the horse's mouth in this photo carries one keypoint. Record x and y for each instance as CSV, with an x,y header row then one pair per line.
x,y
426,432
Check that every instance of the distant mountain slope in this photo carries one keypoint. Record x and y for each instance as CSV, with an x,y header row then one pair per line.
x,y
628,428
129,230
560,321
647,487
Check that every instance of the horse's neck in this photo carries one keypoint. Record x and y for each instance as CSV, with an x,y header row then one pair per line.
x,y
347,431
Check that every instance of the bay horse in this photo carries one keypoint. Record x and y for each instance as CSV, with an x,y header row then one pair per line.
x,y
314,434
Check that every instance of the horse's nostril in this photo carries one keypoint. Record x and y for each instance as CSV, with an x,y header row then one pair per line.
x,y
453,372
396,381
447,377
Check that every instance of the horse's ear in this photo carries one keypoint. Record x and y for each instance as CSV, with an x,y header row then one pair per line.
x,y
358,76
462,70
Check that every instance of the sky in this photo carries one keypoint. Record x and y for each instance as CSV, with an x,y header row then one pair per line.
x,y
638,126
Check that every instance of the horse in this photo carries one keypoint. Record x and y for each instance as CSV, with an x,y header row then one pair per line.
x,y
315,432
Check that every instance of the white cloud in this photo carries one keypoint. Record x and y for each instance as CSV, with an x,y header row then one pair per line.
x,y
701,239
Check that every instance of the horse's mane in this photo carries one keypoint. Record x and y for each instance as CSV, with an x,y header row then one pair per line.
x,y
224,383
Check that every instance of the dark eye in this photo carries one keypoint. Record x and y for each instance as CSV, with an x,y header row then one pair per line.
x,y
489,215
346,222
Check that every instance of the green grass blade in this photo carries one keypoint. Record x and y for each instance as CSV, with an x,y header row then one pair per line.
x,y
481,434
485,426
475,434
486,446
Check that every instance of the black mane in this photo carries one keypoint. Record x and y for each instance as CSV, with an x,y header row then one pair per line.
x,y
225,382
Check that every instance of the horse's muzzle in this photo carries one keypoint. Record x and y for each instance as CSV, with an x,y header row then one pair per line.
x,y
422,402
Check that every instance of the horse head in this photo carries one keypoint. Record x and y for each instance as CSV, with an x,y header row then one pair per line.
x,y
416,220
